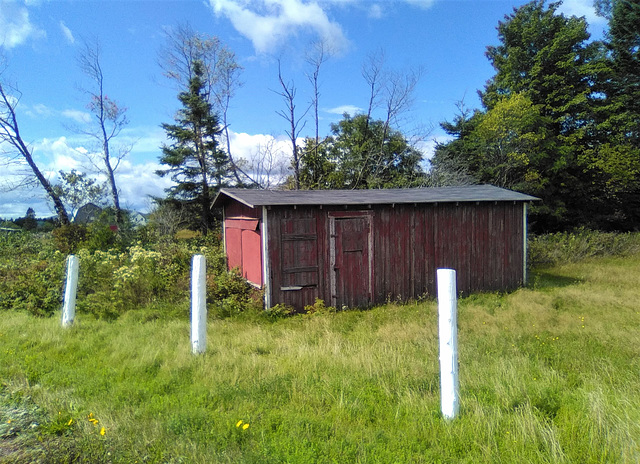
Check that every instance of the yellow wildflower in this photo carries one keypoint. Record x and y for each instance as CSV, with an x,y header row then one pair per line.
x,y
70,422
239,423
245,426
103,431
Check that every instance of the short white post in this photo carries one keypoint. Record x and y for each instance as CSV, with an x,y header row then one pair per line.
x,y
448,333
199,304
70,290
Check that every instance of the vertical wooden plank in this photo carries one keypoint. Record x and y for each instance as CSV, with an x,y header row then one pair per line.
x,y
384,265
430,254
275,217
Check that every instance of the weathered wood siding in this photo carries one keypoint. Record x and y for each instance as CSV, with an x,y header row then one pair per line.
x,y
482,241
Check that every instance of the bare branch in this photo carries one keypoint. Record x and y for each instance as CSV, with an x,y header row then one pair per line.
x,y
372,71
288,94
110,119
10,137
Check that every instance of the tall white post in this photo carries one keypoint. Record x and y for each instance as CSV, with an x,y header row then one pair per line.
x,y
70,290
448,332
198,304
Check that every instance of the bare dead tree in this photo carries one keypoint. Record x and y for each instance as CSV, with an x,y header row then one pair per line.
x,y
14,149
267,165
296,124
228,70
109,120
183,47
391,90
372,72
317,56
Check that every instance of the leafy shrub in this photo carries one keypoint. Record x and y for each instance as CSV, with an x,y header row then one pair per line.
x,y
279,311
31,274
69,238
319,308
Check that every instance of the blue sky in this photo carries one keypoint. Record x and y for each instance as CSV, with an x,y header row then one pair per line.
x,y
40,41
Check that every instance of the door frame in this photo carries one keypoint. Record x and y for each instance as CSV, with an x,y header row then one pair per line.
x,y
333,215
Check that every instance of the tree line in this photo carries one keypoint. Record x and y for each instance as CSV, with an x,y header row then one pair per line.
x,y
560,119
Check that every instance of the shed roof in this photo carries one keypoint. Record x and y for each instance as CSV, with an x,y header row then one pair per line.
x,y
471,193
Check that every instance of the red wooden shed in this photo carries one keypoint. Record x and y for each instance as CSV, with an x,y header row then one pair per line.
x,y
363,247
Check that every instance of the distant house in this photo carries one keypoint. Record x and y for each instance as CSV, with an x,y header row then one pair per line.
x,y
363,247
90,213
87,213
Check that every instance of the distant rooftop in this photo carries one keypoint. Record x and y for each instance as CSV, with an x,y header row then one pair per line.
x,y
471,193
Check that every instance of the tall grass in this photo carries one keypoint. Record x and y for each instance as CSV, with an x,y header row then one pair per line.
x,y
548,374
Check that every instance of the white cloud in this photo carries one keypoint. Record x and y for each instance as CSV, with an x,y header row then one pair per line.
x,y
269,23
421,3
375,11
58,155
67,33
81,117
428,147
247,146
137,182
15,26
349,109
39,110
581,8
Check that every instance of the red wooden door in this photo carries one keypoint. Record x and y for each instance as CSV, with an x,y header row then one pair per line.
x,y
351,253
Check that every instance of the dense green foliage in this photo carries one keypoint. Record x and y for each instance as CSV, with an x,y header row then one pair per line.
x,y
548,374
116,275
361,153
572,247
195,161
557,119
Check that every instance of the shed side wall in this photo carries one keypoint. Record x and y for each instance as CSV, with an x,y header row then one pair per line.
x,y
484,242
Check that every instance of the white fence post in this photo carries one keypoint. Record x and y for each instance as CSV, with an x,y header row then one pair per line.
x,y
448,333
198,304
70,289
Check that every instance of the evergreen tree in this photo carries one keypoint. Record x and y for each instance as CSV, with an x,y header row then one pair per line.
x,y
614,151
536,125
29,221
195,161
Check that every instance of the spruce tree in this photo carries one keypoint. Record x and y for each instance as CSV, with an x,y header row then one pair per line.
x,y
195,161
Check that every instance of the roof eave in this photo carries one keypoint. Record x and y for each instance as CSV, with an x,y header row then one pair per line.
x,y
219,199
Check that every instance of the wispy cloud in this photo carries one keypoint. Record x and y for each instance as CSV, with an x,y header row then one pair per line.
x,y
68,35
40,111
269,23
81,117
375,11
15,26
582,8
425,4
349,109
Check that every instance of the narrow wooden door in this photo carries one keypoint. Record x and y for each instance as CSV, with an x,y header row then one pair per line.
x,y
351,253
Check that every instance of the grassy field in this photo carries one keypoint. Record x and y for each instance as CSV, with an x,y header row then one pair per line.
x,y
548,374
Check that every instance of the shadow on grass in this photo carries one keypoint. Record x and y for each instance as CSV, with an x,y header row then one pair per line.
x,y
541,279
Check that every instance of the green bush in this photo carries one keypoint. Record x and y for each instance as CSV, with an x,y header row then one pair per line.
x,y
69,238
118,279
578,245
31,274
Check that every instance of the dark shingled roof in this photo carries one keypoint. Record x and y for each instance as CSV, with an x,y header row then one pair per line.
x,y
253,198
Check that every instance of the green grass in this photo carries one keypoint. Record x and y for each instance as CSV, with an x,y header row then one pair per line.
x,y
548,374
